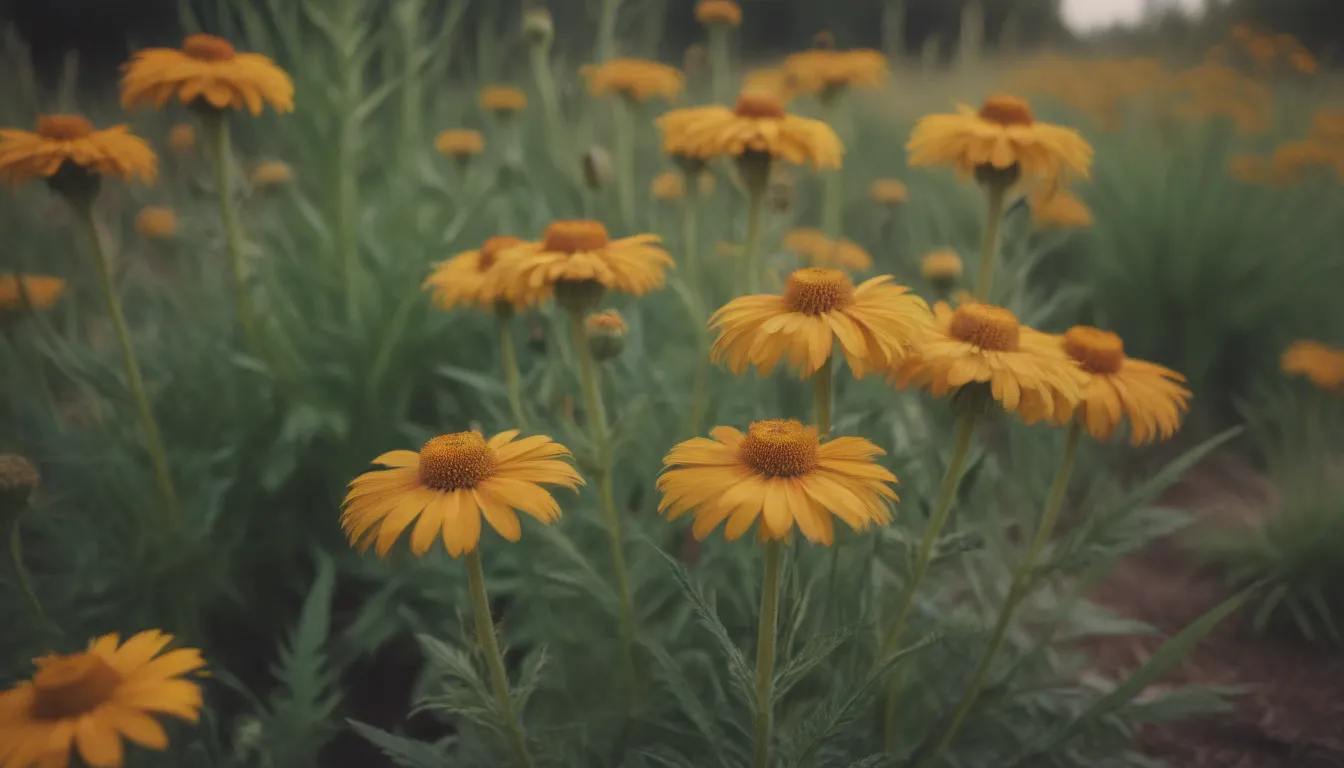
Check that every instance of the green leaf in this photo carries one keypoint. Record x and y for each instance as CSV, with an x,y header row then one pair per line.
x,y
812,654
1147,492
402,751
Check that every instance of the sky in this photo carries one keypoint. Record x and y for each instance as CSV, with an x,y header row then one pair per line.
x,y
1087,14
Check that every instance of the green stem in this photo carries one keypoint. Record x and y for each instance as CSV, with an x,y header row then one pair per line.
x,y
499,680
625,158
720,63
545,82
947,493
508,360
832,222
217,131
989,247
821,397
606,31
597,426
751,246
690,231
765,651
153,442
26,579
1017,593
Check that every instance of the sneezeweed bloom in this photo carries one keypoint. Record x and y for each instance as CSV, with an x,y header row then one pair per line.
x,y
579,260
18,292
1327,126
606,334
942,269
182,138
156,222
1060,210
206,72
829,73
725,13
770,82
460,145
638,80
452,483
272,173
822,251
72,156
878,324
1151,398
1027,372
474,278
1322,365
889,192
779,474
758,124
502,100
90,701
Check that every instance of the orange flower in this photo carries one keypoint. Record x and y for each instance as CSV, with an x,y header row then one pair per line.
x,y
206,70
718,12
27,155
635,79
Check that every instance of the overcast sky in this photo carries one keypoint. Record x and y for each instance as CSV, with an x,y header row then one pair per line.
x,y
1085,14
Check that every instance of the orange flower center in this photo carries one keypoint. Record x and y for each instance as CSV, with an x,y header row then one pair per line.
x,y
814,290
1097,351
576,236
63,127
1007,110
987,327
204,47
66,687
760,105
456,461
780,448
490,250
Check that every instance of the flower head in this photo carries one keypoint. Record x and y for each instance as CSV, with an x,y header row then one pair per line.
x,y
62,140
636,79
1004,136
668,186
582,252
91,700
941,265
1321,364
459,144
37,291
1060,209
774,83
182,137
826,72
606,334
452,483
272,173
475,278
207,70
718,13
780,474
758,123
889,191
156,222
877,324
1119,388
822,251
502,99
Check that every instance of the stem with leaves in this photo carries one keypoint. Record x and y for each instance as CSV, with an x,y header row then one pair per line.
x,y
499,679
765,651
217,132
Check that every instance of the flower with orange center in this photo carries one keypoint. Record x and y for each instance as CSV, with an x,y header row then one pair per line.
x,y
1322,365
1026,371
70,140
941,265
271,173
877,324
780,474
724,13
770,82
206,71
668,186
1119,388
635,79
822,251
459,144
452,483
1003,137
182,137
474,278
1062,210
91,700
889,191
156,222
17,292
502,100
757,124
827,72
581,252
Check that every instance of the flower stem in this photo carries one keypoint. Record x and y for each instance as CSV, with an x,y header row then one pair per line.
x,y
942,510
720,63
1017,593
606,31
751,245
508,360
989,247
690,231
545,82
765,651
625,158
26,579
499,679
153,442
597,426
217,131
834,190
821,397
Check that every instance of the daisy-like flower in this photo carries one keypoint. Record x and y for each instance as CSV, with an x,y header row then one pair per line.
x,y
822,251
724,13
1026,371
502,99
940,265
828,73
1322,365
580,252
1119,388
1062,209
42,292
1002,139
156,222
636,79
452,483
459,144
770,82
780,474
182,137
271,173
877,324
207,71
91,700
474,278
889,191
71,141
758,124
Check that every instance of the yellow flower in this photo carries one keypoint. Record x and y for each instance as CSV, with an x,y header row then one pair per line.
x,y
668,186
502,99
26,155
780,474
943,265
1027,371
1294,158
459,143
1327,126
581,251
1061,209
757,124
91,700
182,137
877,324
452,483
1002,136
156,222
1119,388
889,191
718,12
474,278
770,82
1322,365
206,70
817,248
608,321
825,72
636,79
272,173
42,292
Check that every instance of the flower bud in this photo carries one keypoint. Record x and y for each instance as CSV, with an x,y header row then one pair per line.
x,y
538,26
606,334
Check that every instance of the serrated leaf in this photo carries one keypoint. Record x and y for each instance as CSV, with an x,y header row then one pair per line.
x,y
402,751
813,653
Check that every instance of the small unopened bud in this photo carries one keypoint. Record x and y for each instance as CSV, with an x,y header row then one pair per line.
x,y
18,480
596,164
538,26
606,334
942,269
271,173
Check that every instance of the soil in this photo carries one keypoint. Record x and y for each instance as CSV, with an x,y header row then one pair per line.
x,y
1291,714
